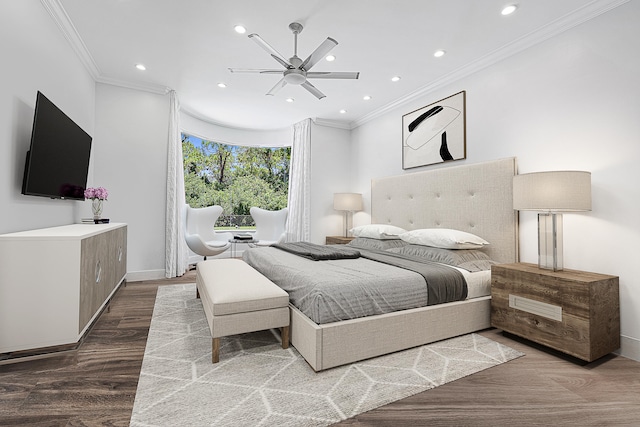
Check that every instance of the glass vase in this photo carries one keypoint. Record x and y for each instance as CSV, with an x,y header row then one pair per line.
x,y
96,207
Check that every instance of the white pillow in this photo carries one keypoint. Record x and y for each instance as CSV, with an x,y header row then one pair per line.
x,y
444,238
378,231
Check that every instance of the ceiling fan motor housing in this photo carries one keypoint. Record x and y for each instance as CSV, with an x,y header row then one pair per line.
x,y
295,76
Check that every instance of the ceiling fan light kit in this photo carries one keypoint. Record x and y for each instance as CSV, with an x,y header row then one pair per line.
x,y
296,70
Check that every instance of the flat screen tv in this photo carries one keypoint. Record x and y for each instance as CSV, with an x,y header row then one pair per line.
x,y
58,160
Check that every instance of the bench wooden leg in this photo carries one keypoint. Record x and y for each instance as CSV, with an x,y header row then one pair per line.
x,y
215,350
285,336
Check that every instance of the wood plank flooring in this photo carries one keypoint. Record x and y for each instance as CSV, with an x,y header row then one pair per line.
x,y
96,385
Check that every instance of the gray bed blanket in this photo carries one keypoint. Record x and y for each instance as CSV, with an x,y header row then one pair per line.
x,y
444,284
318,252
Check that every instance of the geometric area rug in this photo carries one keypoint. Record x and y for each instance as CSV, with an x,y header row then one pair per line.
x,y
257,383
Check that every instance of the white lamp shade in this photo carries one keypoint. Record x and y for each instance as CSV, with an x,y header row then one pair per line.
x,y
556,191
347,202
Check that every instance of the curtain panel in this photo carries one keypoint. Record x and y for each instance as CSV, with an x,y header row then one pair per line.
x,y
299,183
176,252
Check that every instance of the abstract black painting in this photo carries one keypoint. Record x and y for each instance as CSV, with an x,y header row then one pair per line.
x,y
435,133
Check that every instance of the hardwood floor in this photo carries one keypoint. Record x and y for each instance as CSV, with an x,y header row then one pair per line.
x,y
96,384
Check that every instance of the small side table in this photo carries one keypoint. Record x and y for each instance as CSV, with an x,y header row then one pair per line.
x,y
338,240
576,312
235,241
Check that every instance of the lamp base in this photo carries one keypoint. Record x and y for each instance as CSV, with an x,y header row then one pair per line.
x,y
550,241
347,221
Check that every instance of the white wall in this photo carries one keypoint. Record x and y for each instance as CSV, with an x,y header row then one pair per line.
x,y
571,102
130,160
35,56
330,173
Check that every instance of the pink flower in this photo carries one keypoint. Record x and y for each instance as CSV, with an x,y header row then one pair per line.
x,y
96,193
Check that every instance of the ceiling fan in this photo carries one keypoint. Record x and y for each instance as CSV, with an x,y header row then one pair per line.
x,y
296,70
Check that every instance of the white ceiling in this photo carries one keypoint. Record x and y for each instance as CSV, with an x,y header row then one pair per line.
x,y
188,46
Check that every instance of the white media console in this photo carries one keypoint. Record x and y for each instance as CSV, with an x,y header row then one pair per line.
x,y
55,281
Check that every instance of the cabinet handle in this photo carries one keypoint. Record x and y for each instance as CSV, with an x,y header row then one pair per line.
x,y
98,271
119,253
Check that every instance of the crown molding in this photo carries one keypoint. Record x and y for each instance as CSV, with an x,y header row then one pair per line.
x,y
62,20
332,123
560,25
60,17
146,87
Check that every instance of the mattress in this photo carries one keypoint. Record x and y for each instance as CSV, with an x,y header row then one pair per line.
x,y
336,290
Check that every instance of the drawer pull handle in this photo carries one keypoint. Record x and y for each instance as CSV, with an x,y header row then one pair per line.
x,y
98,271
120,253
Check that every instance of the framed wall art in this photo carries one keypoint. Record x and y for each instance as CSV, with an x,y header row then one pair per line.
x,y
435,133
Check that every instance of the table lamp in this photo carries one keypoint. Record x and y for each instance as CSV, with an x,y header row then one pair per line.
x,y
552,193
349,203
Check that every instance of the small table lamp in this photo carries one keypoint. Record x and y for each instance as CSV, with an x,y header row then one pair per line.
x,y
349,203
552,193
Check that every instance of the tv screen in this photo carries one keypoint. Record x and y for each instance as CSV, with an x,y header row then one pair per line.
x,y
58,160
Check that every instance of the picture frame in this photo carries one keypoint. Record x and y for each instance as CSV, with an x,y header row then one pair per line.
x,y
435,133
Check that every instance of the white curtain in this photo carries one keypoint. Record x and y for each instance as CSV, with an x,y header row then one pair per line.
x,y
176,253
299,183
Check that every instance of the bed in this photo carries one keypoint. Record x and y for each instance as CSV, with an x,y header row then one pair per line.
x,y
475,198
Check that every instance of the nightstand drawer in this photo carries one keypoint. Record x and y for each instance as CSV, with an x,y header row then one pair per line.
x,y
572,311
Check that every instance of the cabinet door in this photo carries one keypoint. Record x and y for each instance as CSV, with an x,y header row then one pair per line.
x,y
91,275
119,254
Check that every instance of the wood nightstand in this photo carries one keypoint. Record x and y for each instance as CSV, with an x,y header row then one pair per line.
x,y
575,312
338,240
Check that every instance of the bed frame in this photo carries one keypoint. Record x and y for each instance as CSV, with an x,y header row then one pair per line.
x,y
476,198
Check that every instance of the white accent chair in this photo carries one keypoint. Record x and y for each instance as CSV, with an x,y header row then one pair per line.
x,y
199,233
270,226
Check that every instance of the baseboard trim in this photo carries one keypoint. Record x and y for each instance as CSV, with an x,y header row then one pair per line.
x,y
629,348
139,276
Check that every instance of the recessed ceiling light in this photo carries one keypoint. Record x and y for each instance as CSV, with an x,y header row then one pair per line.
x,y
240,29
290,99
439,53
508,10
330,58
366,97
222,85
141,67
395,78
343,111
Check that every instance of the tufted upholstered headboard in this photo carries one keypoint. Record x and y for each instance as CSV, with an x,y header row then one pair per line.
x,y
476,198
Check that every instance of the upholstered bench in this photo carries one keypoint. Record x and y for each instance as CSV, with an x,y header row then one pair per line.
x,y
237,299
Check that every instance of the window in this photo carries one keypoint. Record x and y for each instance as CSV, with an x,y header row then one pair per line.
x,y
235,178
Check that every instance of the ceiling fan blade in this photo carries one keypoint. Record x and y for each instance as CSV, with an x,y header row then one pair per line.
x,y
282,83
314,91
270,50
253,70
332,75
320,52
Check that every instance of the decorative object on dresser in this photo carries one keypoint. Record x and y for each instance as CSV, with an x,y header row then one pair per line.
x,y
575,312
55,282
337,240
97,196
552,193
435,133
348,203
